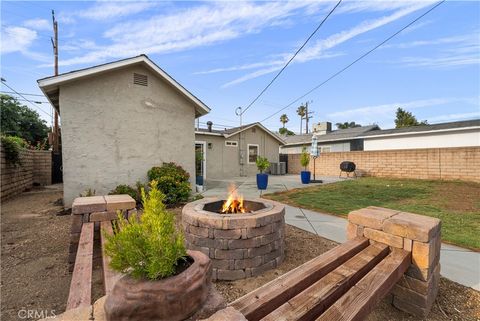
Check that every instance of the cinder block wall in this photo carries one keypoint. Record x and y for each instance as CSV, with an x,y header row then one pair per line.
x,y
35,167
433,163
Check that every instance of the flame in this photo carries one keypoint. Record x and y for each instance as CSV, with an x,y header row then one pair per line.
x,y
234,202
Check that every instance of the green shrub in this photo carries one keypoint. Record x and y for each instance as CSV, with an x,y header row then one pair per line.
x,y
88,192
148,247
172,181
262,163
12,146
305,158
127,189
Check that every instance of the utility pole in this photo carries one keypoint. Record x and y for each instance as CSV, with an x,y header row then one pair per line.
x,y
55,54
307,117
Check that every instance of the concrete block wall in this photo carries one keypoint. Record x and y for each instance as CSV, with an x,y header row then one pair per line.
x,y
460,163
35,168
415,293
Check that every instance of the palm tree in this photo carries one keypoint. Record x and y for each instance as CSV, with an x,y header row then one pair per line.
x,y
284,119
347,124
301,111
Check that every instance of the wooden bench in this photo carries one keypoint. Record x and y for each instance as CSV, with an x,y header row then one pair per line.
x,y
344,283
80,294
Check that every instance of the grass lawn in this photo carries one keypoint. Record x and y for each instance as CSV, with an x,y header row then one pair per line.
x,y
456,203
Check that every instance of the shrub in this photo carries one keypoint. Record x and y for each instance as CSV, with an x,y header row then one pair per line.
x,y
172,181
126,189
12,146
148,247
305,158
262,163
88,192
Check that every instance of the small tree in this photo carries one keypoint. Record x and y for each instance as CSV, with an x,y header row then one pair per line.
x,y
284,119
301,111
286,132
262,163
407,119
347,124
305,158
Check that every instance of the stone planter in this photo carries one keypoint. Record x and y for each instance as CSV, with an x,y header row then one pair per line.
x,y
173,298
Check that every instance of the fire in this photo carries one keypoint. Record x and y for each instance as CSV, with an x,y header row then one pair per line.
x,y
234,203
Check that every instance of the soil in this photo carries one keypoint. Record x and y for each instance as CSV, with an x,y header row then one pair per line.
x,y
34,252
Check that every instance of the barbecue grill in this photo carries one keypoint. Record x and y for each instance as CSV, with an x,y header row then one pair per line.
x,y
347,167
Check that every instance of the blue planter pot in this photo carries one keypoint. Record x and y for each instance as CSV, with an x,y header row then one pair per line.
x,y
199,180
262,181
305,175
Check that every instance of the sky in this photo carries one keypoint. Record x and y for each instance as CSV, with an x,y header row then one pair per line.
x,y
226,52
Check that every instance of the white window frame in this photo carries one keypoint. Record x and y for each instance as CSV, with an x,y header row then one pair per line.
x,y
248,152
204,143
231,143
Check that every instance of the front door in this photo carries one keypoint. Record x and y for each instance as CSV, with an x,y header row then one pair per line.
x,y
200,163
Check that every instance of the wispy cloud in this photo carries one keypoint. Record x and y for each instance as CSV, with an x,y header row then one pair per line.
x,y
385,113
107,10
202,25
17,39
453,117
318,50
38,24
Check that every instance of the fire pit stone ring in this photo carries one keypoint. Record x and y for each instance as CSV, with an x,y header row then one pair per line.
x,y
240,245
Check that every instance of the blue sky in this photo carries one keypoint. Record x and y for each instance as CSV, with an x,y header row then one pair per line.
x,y
226,52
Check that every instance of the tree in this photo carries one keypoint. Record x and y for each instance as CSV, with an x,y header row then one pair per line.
x,y
284,119
406,119
21,121
346,125
301,111
285,131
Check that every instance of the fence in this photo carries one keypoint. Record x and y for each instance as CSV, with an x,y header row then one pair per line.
x,y
460,163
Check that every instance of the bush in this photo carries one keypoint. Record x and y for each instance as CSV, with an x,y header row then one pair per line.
x,y
127,189
262,163
12,146
305,158
172,181
88,192
148,247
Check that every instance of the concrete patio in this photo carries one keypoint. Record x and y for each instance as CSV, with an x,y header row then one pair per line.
x,y
457,264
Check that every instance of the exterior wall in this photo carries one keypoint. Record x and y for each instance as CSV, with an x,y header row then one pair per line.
x,y
434,163
431,140
35,168
224,161
113,131
323,147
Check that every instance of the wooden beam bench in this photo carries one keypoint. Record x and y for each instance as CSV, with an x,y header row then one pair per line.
x,y
102,217
389,253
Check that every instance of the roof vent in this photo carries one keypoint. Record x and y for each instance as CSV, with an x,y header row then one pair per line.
x,y
209,125
139,79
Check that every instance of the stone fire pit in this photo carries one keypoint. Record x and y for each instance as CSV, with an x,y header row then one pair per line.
x,y
239,245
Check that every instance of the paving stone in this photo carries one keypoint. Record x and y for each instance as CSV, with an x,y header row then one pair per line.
x,y
103,216
410,307
228,234
424,254
412,226
228,313
82,205
382,237
407,244
229,254
419,286
119,202
230,275
372,216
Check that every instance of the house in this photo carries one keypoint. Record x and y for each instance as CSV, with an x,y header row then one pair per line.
x,y
233,152
453,134
341,140
118,120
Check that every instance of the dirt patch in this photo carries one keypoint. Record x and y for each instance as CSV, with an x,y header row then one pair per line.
x,y
457,197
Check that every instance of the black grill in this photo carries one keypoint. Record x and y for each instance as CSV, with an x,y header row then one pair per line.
x,y
347,166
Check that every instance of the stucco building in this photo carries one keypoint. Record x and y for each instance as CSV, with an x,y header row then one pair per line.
x,y
233,152
120,119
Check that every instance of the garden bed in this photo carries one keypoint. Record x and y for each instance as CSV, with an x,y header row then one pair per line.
x,y
35,270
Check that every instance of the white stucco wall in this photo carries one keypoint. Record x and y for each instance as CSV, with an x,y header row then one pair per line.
x,y
427,140
113,131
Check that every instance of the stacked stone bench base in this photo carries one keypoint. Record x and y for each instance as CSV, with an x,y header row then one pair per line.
x,y
95,209
415,293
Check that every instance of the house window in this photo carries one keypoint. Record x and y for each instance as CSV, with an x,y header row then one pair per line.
x,y
326,149
252,153
231,143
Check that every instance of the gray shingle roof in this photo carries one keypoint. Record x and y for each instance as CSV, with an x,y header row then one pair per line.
x,y
415,129
340,134
230,131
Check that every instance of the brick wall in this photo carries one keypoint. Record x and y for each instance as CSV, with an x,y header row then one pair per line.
x,y
36,167
461,163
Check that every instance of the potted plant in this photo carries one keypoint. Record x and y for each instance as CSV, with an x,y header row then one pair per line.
x,y
262,178
304,161
162,281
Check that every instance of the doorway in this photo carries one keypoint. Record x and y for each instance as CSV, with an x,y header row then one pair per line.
x,y
200,163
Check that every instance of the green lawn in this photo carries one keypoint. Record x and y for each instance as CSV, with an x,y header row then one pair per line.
x,y
456,203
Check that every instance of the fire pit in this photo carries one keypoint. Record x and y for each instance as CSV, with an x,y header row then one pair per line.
x,y
244,243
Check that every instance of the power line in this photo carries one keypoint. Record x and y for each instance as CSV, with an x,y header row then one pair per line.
x,y
5,83
355,61
293,57
26,94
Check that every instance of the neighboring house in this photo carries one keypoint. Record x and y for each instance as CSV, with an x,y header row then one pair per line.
x,y
341,140
233,152
454,134
118,120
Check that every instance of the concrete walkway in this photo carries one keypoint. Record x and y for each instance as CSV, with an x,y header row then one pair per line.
x,y
457,264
